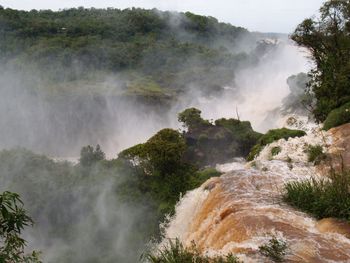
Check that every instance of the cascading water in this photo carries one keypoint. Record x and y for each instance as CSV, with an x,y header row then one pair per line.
x,y
242,209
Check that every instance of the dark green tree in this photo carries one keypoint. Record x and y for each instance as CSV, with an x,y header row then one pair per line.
x,y
164,172
99,154
13,219
161,155
191,119
328,41
89,155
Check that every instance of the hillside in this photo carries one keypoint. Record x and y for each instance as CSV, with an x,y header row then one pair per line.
x,y
200,142
156,53
88,76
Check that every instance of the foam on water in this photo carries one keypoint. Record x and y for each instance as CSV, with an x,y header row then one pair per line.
x,y
243,209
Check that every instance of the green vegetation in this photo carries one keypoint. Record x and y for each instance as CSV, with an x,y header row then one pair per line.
x,y
204,175
161,167
163,170
337,117
242,131
175,252
13,220
277,134
163,56
154,59
315,154
82,69
298,99
321,197
275,150
150,175
254,152
275,249
192,120
271,136
328,41
66,199
167,164
208,144
89,155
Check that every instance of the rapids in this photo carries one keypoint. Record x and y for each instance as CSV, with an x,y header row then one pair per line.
x,y
243,209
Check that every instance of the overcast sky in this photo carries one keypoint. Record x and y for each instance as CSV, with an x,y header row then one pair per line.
x,y
256,15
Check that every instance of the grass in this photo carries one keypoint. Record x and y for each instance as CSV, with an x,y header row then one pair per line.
x,y
315,154
337,117
203,175
254,152
321,197
275,249
275,150
146,86
271,136
175,252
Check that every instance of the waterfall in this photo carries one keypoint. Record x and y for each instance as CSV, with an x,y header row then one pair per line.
x,y
242,209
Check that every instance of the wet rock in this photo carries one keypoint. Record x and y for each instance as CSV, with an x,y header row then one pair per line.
x,y
339,150
332,225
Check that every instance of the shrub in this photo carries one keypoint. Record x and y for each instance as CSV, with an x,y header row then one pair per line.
x,y
254,152
161,168
321,197
191,119
275,150
337,117
329,83
242,131
89,155
162,154
201,176
275,249
210,144
315,154
277,134
175,252
271,136
13,219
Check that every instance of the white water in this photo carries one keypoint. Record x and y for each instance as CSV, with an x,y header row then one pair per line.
x,y
242,209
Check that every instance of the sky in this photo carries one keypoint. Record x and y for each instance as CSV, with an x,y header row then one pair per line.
x,y
280,16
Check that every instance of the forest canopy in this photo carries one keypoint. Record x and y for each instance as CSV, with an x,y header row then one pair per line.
x,y
161,51
328,41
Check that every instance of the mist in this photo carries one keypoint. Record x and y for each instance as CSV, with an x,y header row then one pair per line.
x,y
79,215
60,124
255,91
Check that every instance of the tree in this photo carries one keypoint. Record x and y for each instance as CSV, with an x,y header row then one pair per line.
x,y
13,219
328,42
163,171
191,119
89,155
161,155
99,154
165,151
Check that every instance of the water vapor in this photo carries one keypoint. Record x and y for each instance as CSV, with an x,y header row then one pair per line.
x,y
80,218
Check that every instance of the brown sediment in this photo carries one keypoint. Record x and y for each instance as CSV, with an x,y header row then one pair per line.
x,y
338,151
236,212
243,209
211,183
332,225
